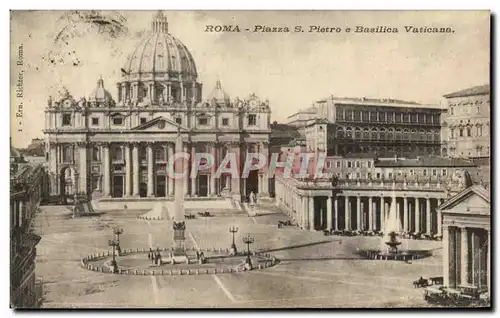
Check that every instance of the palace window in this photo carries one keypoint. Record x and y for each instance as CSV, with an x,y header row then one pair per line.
x,y
116,153
373,116
390,175
358,175
252,120
366,133
338,164
405,134
357,115
398,134
66,120
349,132
143,120
340,114
429,135
203,121
469,132
95,121
444,172
340,132
413,118
434,172
479,130
428,119
382,133
390,134
374,134
378,175
96,154
424,172
406,117
160,154
389,117
349,164
369,164
357,133
349,114
178,121
366,115
422,134
357,164
461,132
117,121
436,135
398,117
225,121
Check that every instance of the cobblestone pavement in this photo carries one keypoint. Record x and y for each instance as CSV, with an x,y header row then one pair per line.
x,y
314,270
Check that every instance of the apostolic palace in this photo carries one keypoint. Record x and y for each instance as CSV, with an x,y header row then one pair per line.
x,y
113,148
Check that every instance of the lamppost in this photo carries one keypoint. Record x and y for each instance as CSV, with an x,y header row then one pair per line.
x,y
118,231
248,240
113,243
233,230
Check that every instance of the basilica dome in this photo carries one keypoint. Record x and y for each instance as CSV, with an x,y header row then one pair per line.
x,y
159,52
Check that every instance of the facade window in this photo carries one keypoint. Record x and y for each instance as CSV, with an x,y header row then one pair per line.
x,y
117,121
389,117
461,132
382,133
390,134
398,134
178,121
225,121
96,154
67,154
366,133
202,121
390,175
357,164
406,117
374,134
369,175
412,172
451,111
357,133
429,135
469,132
398,117
95,121
406,135
357,115
349,164
349,132
452,133
436,135
252,120
338,164
444,172
369,163
479,130
373,116
340,114
425,172
434,172
413,118
366,114
378,175
421,118
143,120
340,132
66,120
358,175
422,134
117,154
160,154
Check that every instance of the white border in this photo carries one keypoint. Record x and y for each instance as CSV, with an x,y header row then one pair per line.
x,y
187,4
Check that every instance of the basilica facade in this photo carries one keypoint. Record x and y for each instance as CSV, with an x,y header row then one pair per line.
x,y
104,147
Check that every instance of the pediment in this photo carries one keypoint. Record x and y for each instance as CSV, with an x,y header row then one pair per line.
x,y
160,124
472,201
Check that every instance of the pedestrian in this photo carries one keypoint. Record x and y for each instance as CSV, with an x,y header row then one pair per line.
x,y
197,255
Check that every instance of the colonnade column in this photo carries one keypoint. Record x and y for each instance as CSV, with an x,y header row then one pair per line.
x,y
265,185
193,178
382,213
370,214
464,257
329,213
428,217
186,170
170,154
83,167
311,213
212,171
336,224
446,256
405,215
150,170
106,172
439,219
347,209
358,212
135,162
417,215
128,172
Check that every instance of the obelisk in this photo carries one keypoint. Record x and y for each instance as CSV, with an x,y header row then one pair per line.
x,y
179,220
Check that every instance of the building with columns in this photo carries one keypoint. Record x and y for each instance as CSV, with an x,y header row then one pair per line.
x,y
360,198
106,148
467,241
466,123
386,127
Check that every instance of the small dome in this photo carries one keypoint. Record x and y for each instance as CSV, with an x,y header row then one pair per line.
x,y
219,95
159,52
100,94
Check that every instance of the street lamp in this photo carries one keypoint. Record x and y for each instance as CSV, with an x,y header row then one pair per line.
x,y
233,230
118,231
248,240
113,243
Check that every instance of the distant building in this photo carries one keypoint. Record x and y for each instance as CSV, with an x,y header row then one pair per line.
x,y
28,187
467,242
466,124
386,127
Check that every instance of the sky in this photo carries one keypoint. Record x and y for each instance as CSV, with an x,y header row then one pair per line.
x,y
292,70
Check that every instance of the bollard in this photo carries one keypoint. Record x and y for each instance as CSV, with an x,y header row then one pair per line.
x,y
206,271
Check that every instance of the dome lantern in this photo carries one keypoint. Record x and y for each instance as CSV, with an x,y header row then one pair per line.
x,y
160,23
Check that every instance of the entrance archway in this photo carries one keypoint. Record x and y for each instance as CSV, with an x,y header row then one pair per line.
x,y
68,180
252,182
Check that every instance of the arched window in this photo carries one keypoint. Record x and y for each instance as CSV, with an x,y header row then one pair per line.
x,y
357,133
116,153
340,132
382,134
422,134
390,133
414,135
451,110
429,135
398,134
469,131
366,133
349,132
374,134
95,154
479,129
444,152
436,135
452,133
405,134
461,132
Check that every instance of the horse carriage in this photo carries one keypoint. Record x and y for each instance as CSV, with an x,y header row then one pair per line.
x,y
282,224
190,216
205,214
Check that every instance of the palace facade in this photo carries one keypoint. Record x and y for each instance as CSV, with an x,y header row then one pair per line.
x,y
102,147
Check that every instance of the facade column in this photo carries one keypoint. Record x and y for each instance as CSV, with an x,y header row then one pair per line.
x,y
405,215
417,215
150,170
370,213
347,213
358,213
170,154
311,213
336,221
83,168
265,185
106,172
305,212
464,257
382,213
446,256
135,164
439,222
329,213
428,218
128,173
195,178
187,170
235,180
213,191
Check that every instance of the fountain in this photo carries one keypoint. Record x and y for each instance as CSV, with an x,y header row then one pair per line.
x,y
391,238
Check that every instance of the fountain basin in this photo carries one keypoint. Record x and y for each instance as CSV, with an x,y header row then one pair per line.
x,y
405,256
